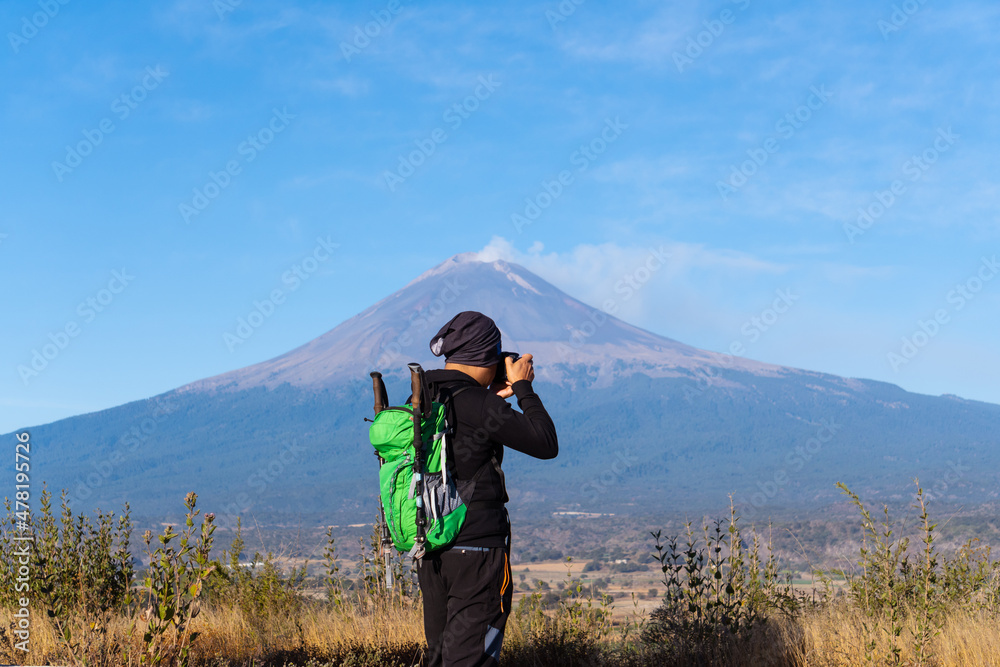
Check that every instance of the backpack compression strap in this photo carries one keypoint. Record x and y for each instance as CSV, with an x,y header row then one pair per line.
x,y
449,396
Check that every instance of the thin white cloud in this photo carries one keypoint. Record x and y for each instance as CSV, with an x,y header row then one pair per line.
x,y
848,274
806,249
594,273
348,86
698,289
642,171
230,27
648,42
191,111
589,259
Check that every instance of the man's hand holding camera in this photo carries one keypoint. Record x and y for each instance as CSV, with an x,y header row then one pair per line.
x,y
519,368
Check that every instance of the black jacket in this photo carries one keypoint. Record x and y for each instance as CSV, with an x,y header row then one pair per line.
x,y
483,424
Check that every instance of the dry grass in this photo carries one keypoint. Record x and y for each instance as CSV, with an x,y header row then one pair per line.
x,y
833,635
723,604
229,637
317,631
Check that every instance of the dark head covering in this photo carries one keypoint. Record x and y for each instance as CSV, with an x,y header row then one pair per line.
x,y
469,338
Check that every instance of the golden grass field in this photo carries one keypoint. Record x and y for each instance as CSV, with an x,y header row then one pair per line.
x,y
832,635
714,598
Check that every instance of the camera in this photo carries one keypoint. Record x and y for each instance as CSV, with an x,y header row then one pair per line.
x,y
501,376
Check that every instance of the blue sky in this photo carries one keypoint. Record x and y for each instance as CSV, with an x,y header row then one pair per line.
x,y
201,149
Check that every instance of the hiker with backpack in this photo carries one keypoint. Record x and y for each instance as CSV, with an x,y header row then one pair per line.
x,y
450,483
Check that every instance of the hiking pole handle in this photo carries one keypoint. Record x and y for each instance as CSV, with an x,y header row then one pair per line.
x,y
415,381
416,400
378,387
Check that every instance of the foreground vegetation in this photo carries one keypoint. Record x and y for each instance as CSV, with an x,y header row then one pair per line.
x,y
723,600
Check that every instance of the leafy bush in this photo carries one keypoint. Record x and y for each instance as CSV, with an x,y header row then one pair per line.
x,y
171,587
81,571
891,585
258,589
717,590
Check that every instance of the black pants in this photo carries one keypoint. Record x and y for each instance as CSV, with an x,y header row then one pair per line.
x,y
467,594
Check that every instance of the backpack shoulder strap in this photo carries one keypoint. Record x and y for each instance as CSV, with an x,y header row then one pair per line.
x,y
442,392
447,396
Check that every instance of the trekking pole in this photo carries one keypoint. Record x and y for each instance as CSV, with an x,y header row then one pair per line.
x,y
381,402
416,382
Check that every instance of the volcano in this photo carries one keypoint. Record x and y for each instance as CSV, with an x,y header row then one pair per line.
x,y
646,424
534,316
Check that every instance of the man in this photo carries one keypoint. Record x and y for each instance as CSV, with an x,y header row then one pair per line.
x,y
467,587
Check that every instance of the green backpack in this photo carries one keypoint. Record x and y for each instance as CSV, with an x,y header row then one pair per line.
x,y
445,499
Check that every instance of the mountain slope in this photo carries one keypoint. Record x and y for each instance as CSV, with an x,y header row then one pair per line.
x,y
646,424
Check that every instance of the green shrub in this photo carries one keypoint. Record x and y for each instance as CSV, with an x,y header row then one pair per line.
x,y
81,572
171,586
716,589
891,584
